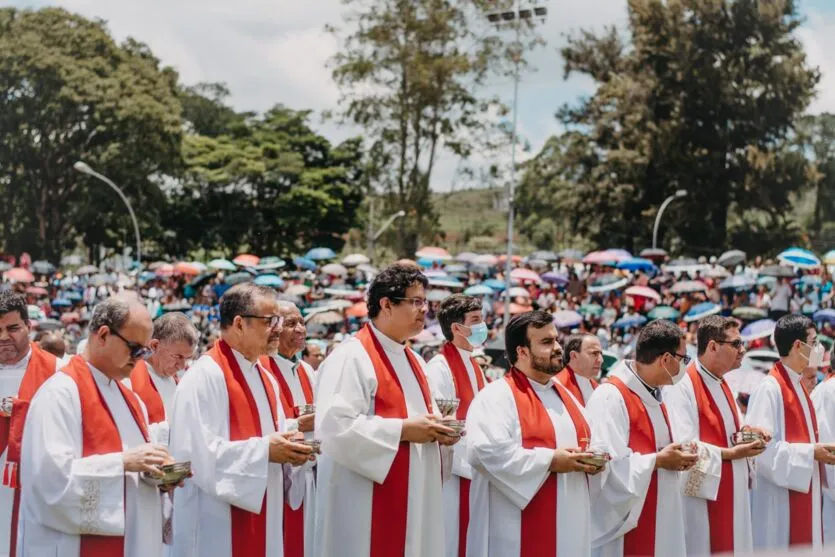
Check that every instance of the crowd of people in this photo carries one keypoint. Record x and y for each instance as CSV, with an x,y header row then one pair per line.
x,y
343,411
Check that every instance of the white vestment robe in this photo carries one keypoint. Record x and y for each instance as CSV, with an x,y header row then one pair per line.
x,y
455,457
507,476
166,387
10,377
302,478
702,481
823,401
226,473
619,492
358,450
66,494
781,467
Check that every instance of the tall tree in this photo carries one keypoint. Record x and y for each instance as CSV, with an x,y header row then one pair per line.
x,y
703,97
816,139
69,92
410,73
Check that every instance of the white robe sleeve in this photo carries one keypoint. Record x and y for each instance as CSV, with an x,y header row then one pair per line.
x,y
618,493
233,471
703,479
495,446
787,465
68,493
823,400
351,434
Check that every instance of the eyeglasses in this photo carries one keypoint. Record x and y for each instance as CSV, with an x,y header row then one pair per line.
x,y
137,351
417,303
685,359
735,344
273,321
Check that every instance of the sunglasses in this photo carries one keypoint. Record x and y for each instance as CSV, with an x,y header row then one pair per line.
x,y
736,344
273,321
137,351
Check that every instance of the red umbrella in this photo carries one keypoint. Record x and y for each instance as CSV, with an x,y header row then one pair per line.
x,y
643,292
37,291
525,275
186,269
165,270
433,253
19,275
246,260
359,310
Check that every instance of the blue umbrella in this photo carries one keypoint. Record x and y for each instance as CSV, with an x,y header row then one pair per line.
x,y
766,281
318,254
700,311
737,282
636,264
664,312
304,263
631,321
797,257
273,281
495,284
61,303
479,290
824,316
426,261
446,282
565,318
73,295
758,329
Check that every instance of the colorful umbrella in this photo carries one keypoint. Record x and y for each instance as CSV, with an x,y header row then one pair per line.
x,y
335,269
273,281
19,274
246,260
636,264
777,271
731,258
798,257
495,284
446,282
739,283
61,303
518,292
643,292
747,313
700,311
829,257
438,295
600,258
304,263
594,310
479,290
184,268
607,283
486,260
355,259
824,316
565,319
544,255
655,254
466,257
358,310
525,275
629,321
43,267
552,277
688,286
434,253
319,254
758,329
36,291
222,265
664,312
270,263
238,278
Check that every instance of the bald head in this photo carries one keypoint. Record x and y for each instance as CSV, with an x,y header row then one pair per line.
x,y
53,344
120,332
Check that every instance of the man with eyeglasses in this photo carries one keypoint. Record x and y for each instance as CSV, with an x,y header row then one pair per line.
x,y
86,448
823,401
636,502
24,367
295,392
702,408
379,479
228,421
786,499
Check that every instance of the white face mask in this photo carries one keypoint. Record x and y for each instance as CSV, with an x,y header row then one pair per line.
x,y
816,355
682,371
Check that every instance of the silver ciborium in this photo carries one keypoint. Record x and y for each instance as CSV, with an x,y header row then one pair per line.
x,y
447,406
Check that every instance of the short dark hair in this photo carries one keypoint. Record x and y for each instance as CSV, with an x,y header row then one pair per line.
x,y
239,300
656,339
12,301
574,343
516,333
453,309
392,282
790,328
713,327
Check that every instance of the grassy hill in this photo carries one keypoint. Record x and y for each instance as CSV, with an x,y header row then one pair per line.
x,y
472,219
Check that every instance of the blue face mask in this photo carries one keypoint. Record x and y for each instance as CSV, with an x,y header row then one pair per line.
x,y
478,334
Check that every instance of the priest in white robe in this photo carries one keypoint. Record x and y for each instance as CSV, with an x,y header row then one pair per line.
x,y
455,374
702,408
823,401
786,500
583,359
637,504
526,441
86,446
23,369
226,421
379,481
296,391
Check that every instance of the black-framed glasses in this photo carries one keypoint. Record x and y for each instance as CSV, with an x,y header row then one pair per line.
x,y
685,359
137,351
273,321
417,303
735,344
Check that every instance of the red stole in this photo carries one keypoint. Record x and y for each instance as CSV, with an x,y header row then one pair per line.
x,y
640,540
249,530
101,436
538,534
293,519
143,385
568,380
720,513
389,507
465,395
40,368
797,431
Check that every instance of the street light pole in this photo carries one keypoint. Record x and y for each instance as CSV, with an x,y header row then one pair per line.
x,y
85,168
517,16
372,238
678,194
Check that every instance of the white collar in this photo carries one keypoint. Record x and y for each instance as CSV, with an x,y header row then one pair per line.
x,y
465,354
707,372
100,378
245,365
388,343
793,375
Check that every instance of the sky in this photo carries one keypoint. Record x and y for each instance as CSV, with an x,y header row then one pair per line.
x,y
275,51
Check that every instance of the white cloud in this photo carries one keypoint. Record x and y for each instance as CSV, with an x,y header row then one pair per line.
x,y
818,37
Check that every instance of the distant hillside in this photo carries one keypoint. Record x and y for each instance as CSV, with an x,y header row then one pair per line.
x,y
473,219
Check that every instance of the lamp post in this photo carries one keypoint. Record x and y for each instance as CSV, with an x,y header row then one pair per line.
x,y
372,237
678,194
85,168
523,12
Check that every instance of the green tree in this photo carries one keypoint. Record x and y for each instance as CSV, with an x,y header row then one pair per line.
x,y
815,136
703,97
410,72
69,93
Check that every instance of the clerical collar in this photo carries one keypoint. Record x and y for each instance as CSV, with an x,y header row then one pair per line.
x,y
99,375
243,360
708,372
387,342
795,377
293,359
654,391
465,354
